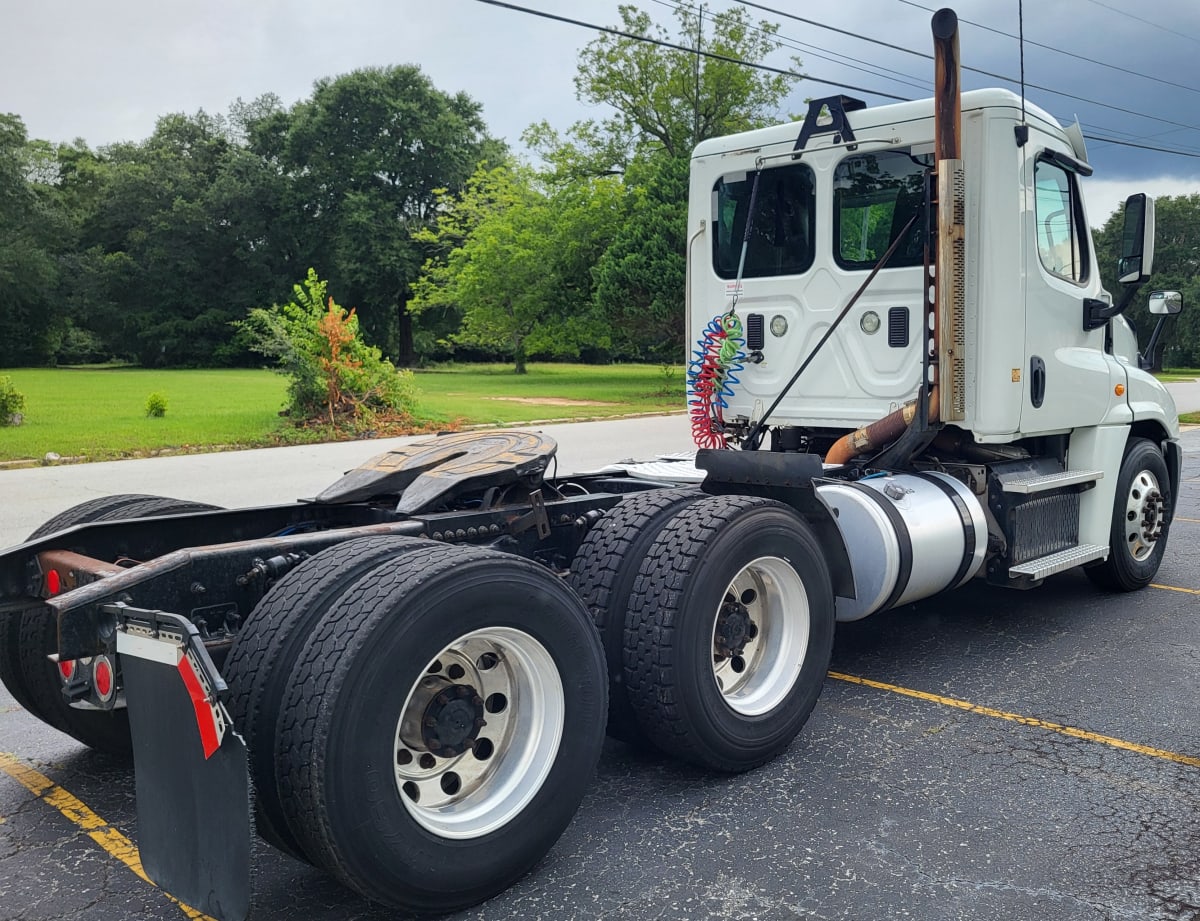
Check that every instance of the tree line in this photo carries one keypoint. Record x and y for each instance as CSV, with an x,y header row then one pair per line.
x,y
443,241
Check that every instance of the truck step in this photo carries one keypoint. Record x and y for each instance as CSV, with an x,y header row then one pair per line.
x,y
1032,484
1058,562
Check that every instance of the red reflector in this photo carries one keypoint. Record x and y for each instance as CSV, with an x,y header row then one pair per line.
x,y
66,668
53,583
205,721
102,676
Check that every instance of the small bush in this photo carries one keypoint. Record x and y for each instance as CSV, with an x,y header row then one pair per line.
x,y
12,403
336,378
81,347
156,405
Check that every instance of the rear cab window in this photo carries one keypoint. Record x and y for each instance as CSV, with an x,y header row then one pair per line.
x,y
875,195
782,229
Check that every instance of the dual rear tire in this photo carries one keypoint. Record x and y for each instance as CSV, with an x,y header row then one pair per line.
x,y
428,721
717,617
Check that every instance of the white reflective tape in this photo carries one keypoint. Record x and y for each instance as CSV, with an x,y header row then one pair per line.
x,y
143,647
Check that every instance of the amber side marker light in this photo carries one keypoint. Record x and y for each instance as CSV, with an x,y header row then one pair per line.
x,y
1119,390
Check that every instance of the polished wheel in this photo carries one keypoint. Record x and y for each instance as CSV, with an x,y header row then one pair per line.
x,y
760,636
478,732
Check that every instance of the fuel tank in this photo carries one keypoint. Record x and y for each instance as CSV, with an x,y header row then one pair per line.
x,y
909,536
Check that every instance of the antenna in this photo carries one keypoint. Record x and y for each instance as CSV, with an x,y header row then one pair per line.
x,y
1022,130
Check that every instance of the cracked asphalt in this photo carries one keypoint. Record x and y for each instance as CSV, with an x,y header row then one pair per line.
x,y
886,807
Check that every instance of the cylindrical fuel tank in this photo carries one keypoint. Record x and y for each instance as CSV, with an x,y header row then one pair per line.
x,y
909,536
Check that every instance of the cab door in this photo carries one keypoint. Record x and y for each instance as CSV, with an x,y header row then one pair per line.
x,y
1069,377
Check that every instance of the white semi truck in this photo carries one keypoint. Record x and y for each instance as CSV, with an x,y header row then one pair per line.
x,y
906,376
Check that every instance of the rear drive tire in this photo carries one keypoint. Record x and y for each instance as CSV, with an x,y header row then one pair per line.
x,y
441,727
730,632
603,574
35,681
1141,518
264,653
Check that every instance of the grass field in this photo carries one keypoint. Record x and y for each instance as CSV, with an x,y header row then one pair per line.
x,y
1174,375
101,413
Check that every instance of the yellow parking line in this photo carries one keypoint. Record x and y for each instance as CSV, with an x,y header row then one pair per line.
x,y
1190,760
1176,588
1181,518
109,838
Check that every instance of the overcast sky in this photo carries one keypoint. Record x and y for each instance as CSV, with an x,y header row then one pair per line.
x,y
106,71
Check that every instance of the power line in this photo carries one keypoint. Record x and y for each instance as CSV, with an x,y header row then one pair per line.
x,y
1166,150
794,44
1167,29
708,54
720,57
1070,54
976,70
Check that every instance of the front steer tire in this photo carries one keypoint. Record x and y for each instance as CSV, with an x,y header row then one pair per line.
x,y
442,725
1142,507
730,632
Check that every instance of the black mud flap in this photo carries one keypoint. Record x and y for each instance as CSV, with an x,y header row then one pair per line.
x,y
193,783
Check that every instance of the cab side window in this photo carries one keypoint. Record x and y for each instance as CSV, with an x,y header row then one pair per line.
x,y
1059,218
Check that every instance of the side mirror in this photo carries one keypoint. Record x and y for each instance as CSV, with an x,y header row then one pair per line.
x,y
1165,303
1137,241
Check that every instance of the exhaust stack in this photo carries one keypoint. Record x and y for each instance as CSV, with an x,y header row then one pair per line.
x,y
949,308
946,267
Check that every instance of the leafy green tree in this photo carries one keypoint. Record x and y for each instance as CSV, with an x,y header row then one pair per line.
x,y
639,279
1176,267
663,103
669,100
31,232
365,157
334,375
179,236
515,262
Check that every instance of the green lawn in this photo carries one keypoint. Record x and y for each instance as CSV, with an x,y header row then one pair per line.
x,y
101,413
1175,375
483,394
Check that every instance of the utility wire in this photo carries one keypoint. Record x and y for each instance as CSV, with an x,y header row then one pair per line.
x,y
789,73
1070,54
1166,150
794,44
1167,29
976,70
708,54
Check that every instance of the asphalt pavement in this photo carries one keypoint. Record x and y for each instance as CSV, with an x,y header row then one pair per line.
x,y
988,754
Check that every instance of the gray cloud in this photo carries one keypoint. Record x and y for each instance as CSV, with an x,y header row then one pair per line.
x,y
106,71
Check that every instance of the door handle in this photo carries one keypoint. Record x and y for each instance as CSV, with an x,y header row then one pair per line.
x,y
1037,381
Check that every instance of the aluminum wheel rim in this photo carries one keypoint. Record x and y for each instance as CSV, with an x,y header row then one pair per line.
x,y
761,676
1144,515
477,791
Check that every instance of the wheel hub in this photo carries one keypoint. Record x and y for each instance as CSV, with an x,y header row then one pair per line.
x,y
733,629
1152,516
452,720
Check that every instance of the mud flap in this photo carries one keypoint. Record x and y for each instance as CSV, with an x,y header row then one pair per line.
x,y
191,773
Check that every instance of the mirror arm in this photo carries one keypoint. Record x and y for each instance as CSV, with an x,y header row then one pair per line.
x,y
1146,358
1096,312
